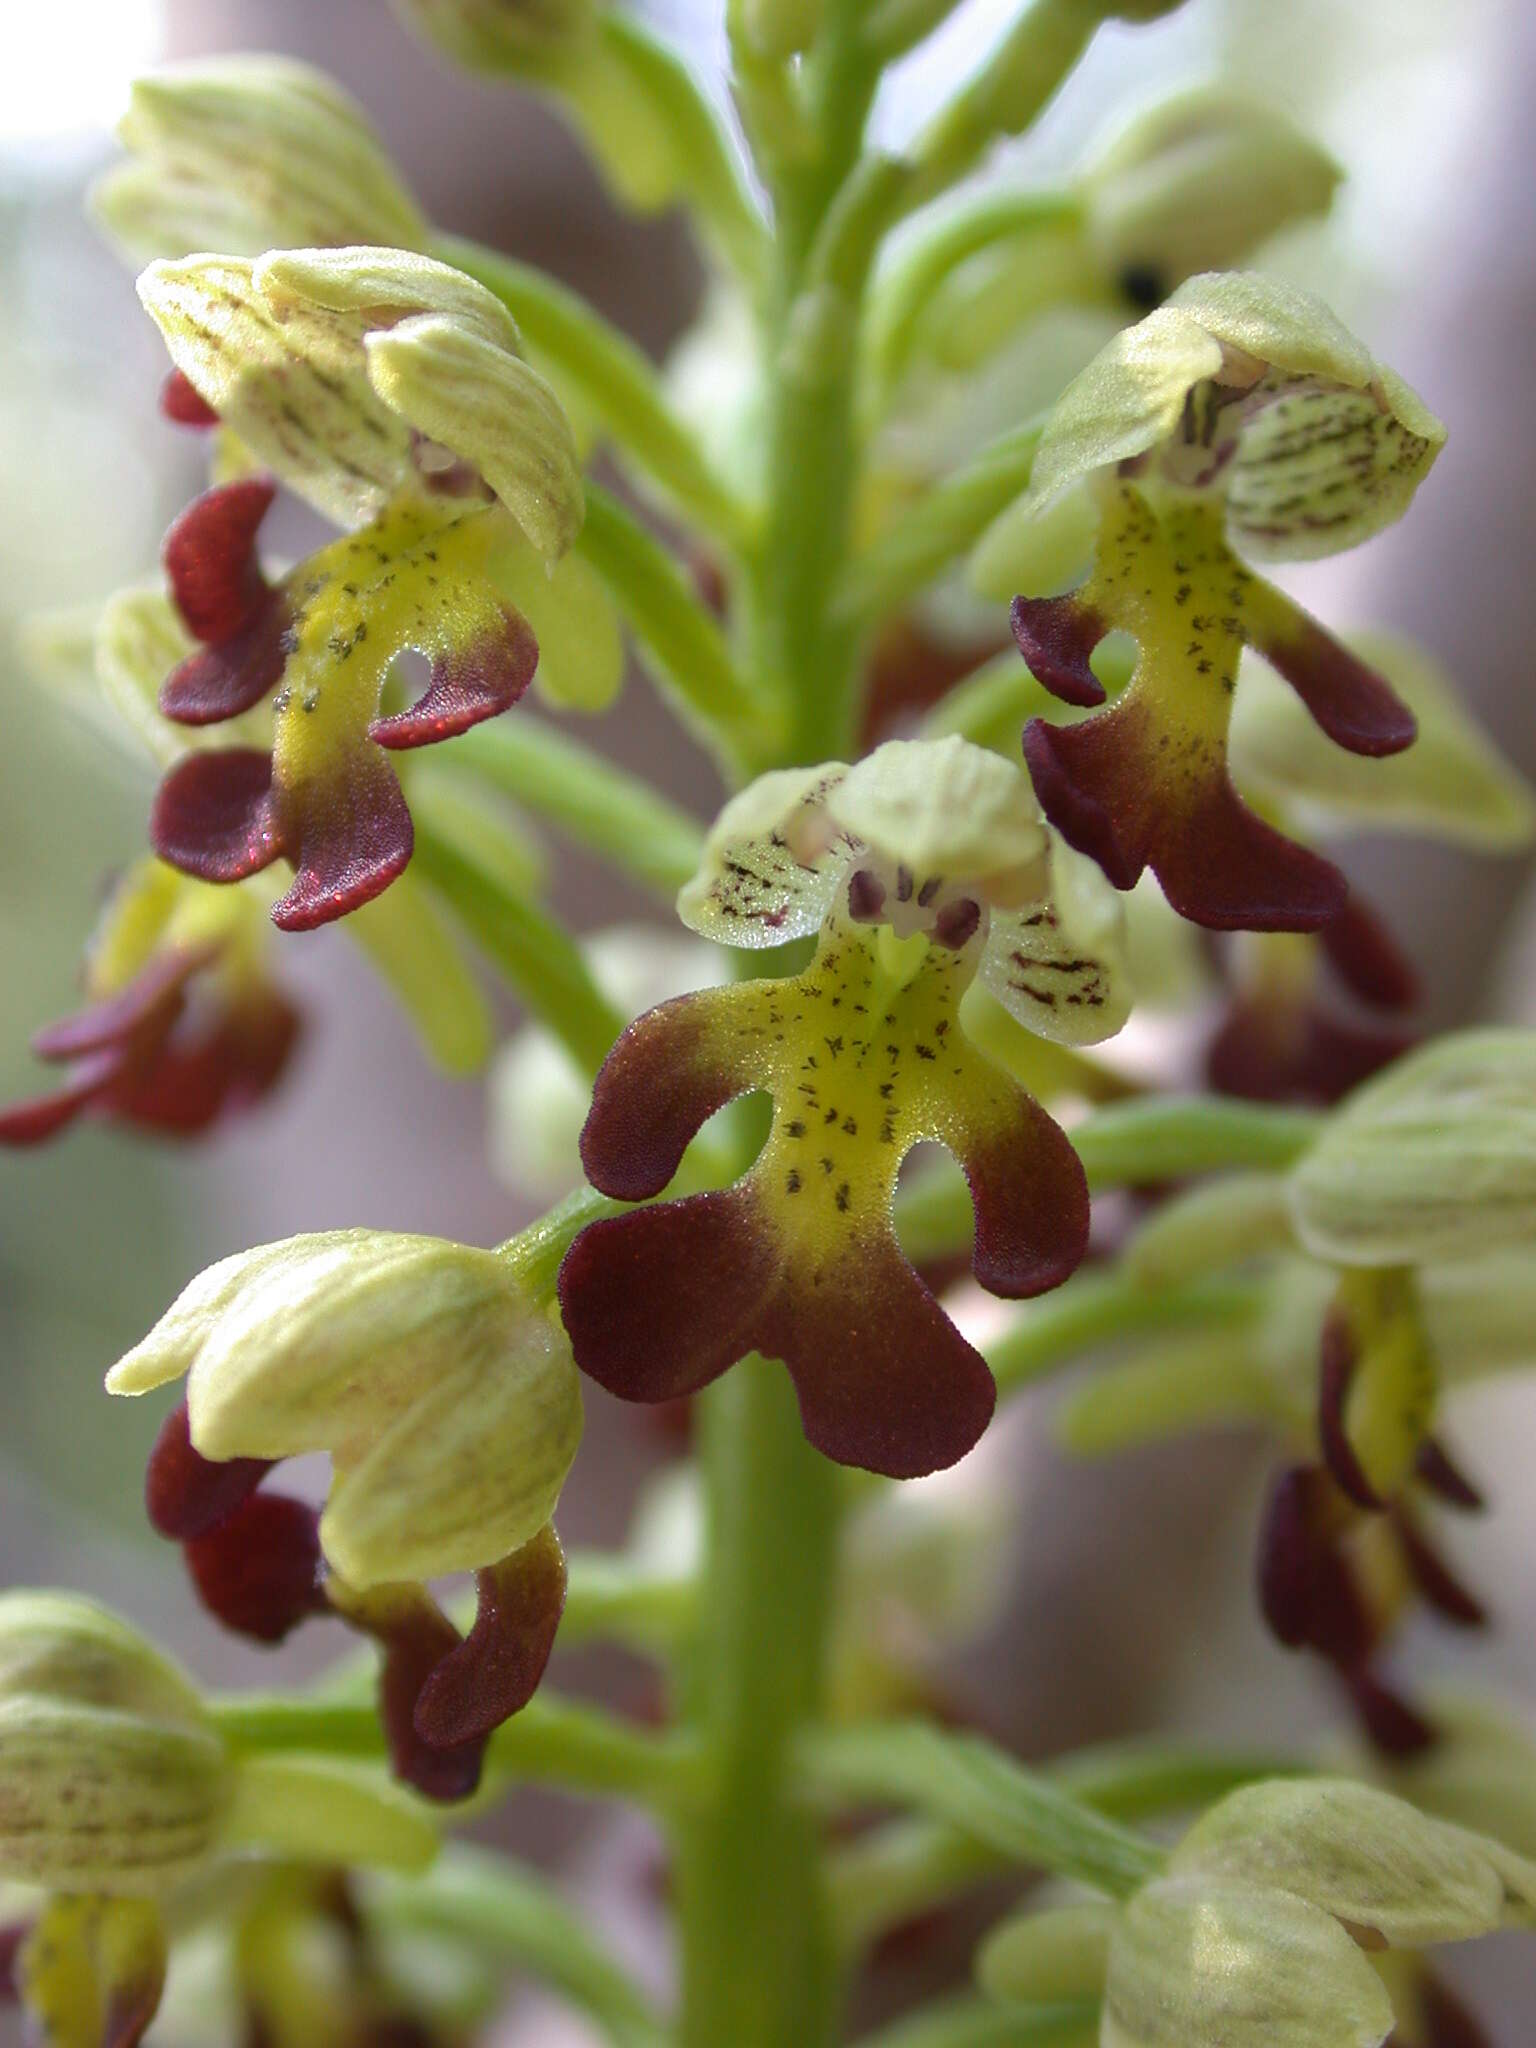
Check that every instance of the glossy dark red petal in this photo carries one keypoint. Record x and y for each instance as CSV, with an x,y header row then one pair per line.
x,y
471,684
210,557
1056,635
1356,707
348,839
654,1091
1223,867
187,1494
258,1571
1076,774
213,815
1337,1364
181,401
220,682
188,1087
495,1671
1367,958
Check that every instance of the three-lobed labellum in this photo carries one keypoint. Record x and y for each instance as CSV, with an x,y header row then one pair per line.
x,y
420,577
1145,783
863,1056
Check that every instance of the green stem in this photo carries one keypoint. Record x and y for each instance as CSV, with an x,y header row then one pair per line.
x,y
553,1741
510,1914
756,1952
978,1788
540,960
1099,1308
911,1866
611,813
614,380
937,529
688,652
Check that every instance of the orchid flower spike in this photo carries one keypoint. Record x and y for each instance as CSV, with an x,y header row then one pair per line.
x,y
389,391
1240,416
922,870
449,1406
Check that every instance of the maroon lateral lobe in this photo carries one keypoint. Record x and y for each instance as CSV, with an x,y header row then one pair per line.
x,y
1338,1361
150,1000
495,1671
1367,958
1444,1477
258,1570
1056,635
1357,708
210,557
188,1087
1219,865
220,682
467,686
656,1088
1306,1592
348,836
1267,1054
1030,1198
1433,1577
181,401
659,1302
187,1494
1447,2021
133,1999
415,1637
213,815
1391,1725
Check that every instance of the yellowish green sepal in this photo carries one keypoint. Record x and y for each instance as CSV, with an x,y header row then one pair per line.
x,y
247,154
1434,1160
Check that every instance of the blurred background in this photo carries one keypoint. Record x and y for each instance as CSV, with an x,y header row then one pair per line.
x,y
1131,1608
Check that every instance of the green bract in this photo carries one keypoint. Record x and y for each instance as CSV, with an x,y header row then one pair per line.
x,y
249,154
447,1400
1452,783
1296,382
1434,1160
331,365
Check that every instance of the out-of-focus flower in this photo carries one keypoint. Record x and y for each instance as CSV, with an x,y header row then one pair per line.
x,y
118,1795
1280,1921
1239,414
387,389
247,154
449,1406
925,867
182,1026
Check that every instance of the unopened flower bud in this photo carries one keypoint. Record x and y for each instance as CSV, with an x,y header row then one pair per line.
x,y
1048,1958
498,35
111,1777
1433,1160
446,1397
246,154
1196,184
359,373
